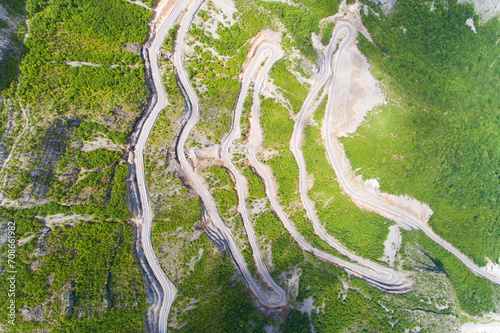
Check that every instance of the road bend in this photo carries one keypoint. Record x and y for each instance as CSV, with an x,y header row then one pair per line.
x,y
384,272
380,279
193,109
168,292
240,183
398,213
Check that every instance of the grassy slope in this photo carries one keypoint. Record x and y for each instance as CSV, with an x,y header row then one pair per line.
x,y
317,278
291,88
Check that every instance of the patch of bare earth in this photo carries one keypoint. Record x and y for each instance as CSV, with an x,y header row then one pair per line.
x,y
160,12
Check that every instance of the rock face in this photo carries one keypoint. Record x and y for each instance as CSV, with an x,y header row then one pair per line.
x,y
6,32
387,5
486,9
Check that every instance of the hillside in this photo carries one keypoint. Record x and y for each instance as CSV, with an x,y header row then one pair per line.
x,y
249,166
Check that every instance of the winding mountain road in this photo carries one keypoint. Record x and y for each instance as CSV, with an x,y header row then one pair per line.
x,y
410,220
168,292
385,274
386,281
208,202
239,180
381,277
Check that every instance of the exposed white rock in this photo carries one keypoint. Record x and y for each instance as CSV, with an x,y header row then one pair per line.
x,y
359,93
392,245
269,329
385,5
292,283
227,8
58,219
5,33
481,328
486,9
100,143
288,2
258,206
81,63
470,23
221,12
307,306
492,267
139,3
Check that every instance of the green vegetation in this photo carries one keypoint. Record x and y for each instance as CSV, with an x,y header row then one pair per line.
x,y
223,189
326,32
441,133
168,43
269,229
93,31
13,6
9,63
360,307
302,20
226,199
255,186
23,179
223,305
79,31
277,129
245,113
117,207
319,114
234,37
360,231
167,125
88,130
3,24
90,264
205,278
341,312
445,139
75,276
96,158
101,192
291,88
474,294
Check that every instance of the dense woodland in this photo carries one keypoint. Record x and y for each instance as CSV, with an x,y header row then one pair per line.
x,y
77,274
82,31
